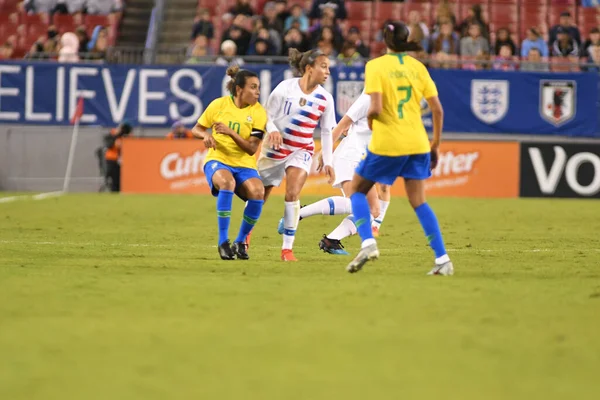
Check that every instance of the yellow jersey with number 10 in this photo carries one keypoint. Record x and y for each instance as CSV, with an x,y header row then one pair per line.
x,y
403,81
246,122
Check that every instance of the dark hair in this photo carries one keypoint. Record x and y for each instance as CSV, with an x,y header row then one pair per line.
x,y
395,36
299,60
238,78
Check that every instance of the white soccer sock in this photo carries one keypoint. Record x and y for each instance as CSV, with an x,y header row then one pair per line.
x,y
441,260
344,229
383,206
335,205
291,216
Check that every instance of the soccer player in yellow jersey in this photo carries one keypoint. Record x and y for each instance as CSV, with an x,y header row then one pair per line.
x,y
238,124
399,146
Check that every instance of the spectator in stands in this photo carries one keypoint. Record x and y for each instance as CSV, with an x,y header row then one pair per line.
x,y
338,6
419,32
262,47
104,7
84,39
238,34
326,43
179,131
297,14
202,25
36,51
503,39
68,6
281,9
354,37
593,52
294,39
327,21
504,61
270,37
445,42
199,50
564,24
228,54
98,44
534,41
69,48
349,56
594,40
474,17
270,20
443,13
51,43
6,51
474,44
564,45
242,7
534,62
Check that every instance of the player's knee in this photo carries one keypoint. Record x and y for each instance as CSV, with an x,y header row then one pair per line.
x,y
256,193
225,184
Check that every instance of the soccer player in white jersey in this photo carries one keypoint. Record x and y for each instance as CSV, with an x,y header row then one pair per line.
x,y
295,108
345,160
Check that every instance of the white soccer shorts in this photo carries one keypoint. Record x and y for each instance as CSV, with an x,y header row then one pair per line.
x,y
346,158
272,171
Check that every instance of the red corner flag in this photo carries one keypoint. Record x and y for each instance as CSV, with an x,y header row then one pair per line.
x,y
78,111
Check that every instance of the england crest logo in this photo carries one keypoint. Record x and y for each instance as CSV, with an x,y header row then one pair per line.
x,y
557,101
347,93
489,99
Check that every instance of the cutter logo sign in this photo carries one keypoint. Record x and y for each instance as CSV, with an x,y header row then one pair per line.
x,y
560,170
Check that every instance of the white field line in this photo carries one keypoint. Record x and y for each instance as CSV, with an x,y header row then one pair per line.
x,y
40,196
208,246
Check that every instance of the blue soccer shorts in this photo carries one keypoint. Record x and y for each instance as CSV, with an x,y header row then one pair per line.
x,y
386,170
240,175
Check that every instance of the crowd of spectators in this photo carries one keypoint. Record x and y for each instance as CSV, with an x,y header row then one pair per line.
x,y
62,30
322,25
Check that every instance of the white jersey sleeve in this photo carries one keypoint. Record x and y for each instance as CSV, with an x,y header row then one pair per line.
x,y
360,108
274,104
327,124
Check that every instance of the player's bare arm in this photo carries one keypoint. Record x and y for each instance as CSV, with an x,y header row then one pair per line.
x,y
201,132
437,113
375,108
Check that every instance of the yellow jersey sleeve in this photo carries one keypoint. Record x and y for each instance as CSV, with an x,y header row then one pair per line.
x,y
429,88
372,79
207,119
259,122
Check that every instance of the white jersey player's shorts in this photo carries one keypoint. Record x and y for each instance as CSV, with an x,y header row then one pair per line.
x,y
347,156
272,171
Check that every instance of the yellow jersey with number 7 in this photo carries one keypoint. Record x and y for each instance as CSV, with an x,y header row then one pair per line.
x,y
403,81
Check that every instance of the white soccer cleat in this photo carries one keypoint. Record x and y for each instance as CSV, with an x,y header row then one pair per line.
x,y
446,269
369,253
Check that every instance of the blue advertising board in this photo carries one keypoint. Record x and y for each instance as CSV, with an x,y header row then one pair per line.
x,y
156,96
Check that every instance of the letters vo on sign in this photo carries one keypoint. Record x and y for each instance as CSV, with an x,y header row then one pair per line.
x,y
560,170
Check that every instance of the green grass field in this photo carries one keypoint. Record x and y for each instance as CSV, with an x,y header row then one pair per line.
x,y
123,297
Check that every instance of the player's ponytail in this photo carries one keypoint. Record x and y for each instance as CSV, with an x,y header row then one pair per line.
x,y
395,35
299,60
238,78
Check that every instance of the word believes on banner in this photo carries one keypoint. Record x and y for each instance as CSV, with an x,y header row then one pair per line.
x,y
489,100
560,170
93,83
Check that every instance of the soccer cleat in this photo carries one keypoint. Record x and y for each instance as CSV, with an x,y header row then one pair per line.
x,y
288,255
368,253
225,251
375,231
446,269
240,250
332,246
